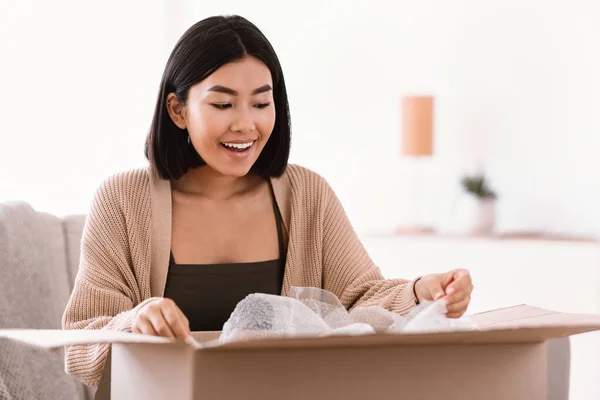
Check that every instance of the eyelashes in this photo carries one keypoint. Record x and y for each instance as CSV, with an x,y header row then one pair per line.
x,y
225,106
221,106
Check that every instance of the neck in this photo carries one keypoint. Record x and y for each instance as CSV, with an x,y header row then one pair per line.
x,y
207,182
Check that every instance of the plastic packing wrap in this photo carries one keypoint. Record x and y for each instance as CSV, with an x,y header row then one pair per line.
x,y
313,312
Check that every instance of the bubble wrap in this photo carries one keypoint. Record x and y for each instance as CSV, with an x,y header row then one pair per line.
x,y
313,312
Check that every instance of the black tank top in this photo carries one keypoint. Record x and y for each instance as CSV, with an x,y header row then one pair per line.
x,y
208,293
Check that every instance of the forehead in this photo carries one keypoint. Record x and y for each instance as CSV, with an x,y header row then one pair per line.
x,y
243,76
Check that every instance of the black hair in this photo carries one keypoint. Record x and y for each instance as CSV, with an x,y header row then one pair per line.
x,y
204,48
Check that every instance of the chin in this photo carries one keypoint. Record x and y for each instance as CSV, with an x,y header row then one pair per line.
x,y
237,171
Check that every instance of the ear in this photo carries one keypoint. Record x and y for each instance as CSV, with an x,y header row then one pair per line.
x,y
176,110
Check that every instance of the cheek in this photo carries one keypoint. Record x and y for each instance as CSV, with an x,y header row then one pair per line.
x,y
266,122
207,125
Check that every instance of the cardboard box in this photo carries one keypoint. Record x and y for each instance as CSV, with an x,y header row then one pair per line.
x,y
506,359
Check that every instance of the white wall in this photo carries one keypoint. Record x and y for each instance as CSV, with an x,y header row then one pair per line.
x,y
79,81
516,86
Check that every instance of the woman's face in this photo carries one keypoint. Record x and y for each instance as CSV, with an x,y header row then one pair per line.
x,y
229,116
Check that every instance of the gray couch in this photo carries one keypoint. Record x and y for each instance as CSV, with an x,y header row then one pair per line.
x,y
39,258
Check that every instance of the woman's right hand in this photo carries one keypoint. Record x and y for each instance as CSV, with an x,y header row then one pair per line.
x,y
161,317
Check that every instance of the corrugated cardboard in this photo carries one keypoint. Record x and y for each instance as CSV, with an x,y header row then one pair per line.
x,y
506,359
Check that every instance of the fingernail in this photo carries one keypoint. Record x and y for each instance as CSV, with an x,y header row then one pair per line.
x,y
450,290
439,296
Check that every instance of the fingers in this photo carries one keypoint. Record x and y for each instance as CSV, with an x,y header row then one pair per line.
x,y
434,287
448,278
460,282
456,310
186,322
458,288
457,297
178,324
162,318
143,326
160,325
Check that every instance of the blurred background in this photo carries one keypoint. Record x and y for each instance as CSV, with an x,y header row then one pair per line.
x,y
515,85
515,95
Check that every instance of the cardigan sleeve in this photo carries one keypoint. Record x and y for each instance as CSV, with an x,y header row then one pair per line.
x,y
349,272
104,295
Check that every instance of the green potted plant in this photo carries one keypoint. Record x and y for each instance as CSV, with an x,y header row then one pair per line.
x,y
477,186
482,219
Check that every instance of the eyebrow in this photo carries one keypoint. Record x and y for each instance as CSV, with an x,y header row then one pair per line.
x,y
226,90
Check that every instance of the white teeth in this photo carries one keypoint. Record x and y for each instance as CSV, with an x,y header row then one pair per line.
x,y
239,145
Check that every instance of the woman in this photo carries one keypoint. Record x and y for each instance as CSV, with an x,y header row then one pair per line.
x,y
219,213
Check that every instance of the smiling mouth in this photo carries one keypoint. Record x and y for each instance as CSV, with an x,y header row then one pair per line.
x,y
238,147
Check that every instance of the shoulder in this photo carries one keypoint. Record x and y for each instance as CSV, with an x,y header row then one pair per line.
x,y
302,188
305,180
125,190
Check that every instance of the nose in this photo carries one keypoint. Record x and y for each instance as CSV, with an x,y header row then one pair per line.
x,y
243,122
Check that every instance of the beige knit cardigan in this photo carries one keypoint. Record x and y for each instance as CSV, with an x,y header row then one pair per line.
x,y
126,245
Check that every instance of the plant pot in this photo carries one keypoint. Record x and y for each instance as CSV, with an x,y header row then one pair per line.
x,y
477,216
484,221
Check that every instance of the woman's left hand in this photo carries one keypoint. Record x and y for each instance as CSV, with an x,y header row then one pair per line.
x,y
453,287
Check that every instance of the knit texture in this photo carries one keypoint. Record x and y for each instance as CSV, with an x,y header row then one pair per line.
x,y
126,243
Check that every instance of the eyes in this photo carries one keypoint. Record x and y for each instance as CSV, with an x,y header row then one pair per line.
x,y
225,106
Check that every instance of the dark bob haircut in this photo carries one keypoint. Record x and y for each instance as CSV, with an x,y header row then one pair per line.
x,y
204,48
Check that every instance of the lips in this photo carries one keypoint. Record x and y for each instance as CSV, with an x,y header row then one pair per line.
x,y
238,147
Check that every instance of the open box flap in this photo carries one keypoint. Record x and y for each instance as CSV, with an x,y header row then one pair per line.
x,y
509,325
508,314
527,316
56,338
